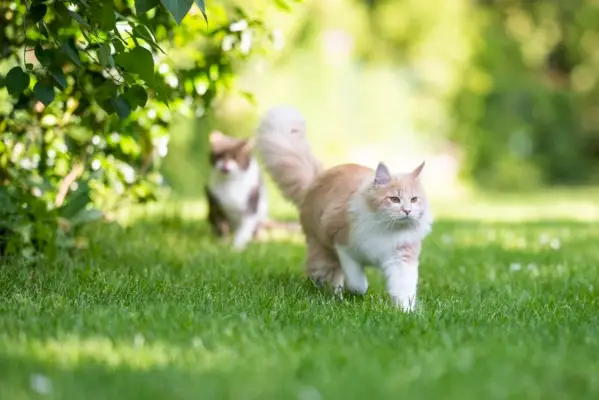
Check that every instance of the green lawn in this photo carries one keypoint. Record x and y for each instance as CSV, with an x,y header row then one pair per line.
x,y
161,311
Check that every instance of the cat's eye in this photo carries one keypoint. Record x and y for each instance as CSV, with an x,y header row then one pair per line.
x,y
394,199
414,199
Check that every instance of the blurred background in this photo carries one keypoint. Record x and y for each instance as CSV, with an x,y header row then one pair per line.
x,y
494,95
498,97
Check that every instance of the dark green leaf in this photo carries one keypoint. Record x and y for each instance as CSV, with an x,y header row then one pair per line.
x,y
202,8
68,46
43,29
76,201
44,57
177,8
141,6
44,92
142,31
16,80
161,92
122,107
102,14
104,54
138,61
62,11
106,91
29,67
59,77
118,46
78,18
37,12
136,96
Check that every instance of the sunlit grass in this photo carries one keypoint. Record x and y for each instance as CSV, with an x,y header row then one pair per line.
x,y
161,310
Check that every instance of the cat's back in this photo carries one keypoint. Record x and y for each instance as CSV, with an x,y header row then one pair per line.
x,y
323,212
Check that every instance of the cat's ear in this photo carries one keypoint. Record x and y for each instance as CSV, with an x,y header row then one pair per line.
x,y
215,137
382,176
245,146
417,170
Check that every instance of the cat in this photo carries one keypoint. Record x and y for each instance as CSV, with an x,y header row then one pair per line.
x,y
352,216
236,193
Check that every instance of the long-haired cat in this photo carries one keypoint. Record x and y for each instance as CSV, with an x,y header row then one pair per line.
x,y
352,216
235,192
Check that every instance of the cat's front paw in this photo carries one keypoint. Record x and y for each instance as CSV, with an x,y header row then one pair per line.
x,y
404,303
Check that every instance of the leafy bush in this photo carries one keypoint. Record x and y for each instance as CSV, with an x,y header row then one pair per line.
x,y
91,90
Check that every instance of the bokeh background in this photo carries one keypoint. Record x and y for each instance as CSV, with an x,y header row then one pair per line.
x,y
494,95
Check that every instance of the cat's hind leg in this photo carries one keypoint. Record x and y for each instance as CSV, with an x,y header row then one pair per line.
x,y
323,267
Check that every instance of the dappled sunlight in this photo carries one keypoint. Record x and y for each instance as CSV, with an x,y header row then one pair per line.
x,y
71,351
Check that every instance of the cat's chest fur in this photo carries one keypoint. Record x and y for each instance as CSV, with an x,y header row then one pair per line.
x,y
234,192
372,242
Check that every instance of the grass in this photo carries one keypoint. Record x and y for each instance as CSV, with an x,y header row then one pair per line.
x,y
160,311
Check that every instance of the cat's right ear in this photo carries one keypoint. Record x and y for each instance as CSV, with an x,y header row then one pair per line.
x,y
215,137
382,176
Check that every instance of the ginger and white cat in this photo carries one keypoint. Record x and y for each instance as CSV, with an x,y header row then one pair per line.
x,y
352,216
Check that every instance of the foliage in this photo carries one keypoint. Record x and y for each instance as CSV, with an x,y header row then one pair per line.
x,y
91,90
526,114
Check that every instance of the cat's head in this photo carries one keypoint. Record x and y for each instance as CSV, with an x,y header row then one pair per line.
x,y
229,155
399,198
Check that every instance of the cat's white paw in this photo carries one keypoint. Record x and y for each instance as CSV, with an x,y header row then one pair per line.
x,y
404,303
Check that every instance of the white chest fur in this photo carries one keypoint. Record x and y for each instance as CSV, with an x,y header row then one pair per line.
x,y
233,190
373,242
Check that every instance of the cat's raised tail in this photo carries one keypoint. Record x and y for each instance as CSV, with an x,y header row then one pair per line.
x,y
282,144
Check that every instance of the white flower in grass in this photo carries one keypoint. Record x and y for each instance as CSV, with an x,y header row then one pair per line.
x,y
446,239
138,340
40,384
544,238
309,393
555,243
515,267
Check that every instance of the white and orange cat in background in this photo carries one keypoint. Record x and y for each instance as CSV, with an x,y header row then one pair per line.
x,y
352,216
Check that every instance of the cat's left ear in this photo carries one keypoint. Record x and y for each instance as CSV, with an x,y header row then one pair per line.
x,y
417,171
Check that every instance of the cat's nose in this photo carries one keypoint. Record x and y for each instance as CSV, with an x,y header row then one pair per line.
x,y
407,211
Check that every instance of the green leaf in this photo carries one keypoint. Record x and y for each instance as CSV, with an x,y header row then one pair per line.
x,y
2,81
44,93
78,18
202,8
68,46
119,47
122,107
44,57
16,80
142,6
59,77
177,8
136,96
138,61
29,67
142,31
104,54
103,15
38,12
43,29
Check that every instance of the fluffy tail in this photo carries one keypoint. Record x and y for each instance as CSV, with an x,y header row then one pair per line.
x,y
281,143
